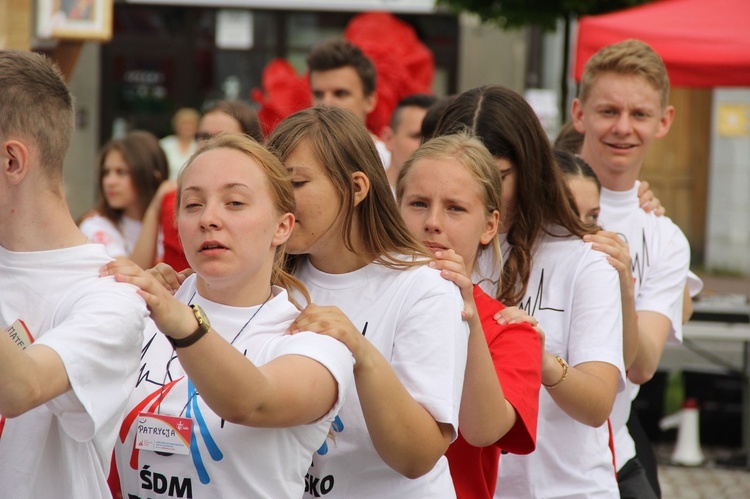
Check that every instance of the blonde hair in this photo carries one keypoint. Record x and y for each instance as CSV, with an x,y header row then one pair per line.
x,y
279,184
510,129
629,57
470,153
343,145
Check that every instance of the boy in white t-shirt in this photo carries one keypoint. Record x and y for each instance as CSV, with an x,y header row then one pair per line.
x,y
69,356
622,108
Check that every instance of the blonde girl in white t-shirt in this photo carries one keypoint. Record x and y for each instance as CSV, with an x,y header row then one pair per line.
x,y
560,285
254,403
371,288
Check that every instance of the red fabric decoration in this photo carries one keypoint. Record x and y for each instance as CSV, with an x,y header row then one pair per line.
x,y
285,93
404,66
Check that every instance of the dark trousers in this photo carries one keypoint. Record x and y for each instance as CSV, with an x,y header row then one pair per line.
x,y
644,452
633,482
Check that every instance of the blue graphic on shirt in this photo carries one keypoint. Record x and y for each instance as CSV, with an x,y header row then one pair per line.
x,y
338,427
195,453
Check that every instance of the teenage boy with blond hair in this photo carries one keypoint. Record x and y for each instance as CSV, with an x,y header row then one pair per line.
x,y
622,108
70,350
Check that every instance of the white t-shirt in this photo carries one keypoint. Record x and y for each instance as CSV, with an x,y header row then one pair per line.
x,y
175,158
660,256
413,318
227,460
63,448
694,284
120,239
574,293
383,152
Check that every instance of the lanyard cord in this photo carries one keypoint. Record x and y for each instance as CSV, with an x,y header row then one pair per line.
x,y
174,355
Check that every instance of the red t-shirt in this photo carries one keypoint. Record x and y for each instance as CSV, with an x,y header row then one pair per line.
x,y
516,352
174,255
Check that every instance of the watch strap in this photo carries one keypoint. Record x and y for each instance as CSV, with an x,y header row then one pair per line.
x,y
203,328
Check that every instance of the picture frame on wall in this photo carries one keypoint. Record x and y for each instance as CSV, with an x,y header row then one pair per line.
x,y
74,19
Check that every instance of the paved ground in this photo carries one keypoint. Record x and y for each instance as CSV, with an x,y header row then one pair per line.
x,y
710,481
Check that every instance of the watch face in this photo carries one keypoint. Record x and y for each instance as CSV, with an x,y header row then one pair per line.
x,y
200,315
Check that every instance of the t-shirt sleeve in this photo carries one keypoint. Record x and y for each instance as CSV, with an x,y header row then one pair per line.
x,y
663,290
98,338
430,347
519,370
516,352
99,230
596,318
331,353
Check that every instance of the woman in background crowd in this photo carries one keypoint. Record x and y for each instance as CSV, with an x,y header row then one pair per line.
x,y
131,171
180,146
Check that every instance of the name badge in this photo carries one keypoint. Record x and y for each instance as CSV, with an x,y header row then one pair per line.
x,y
20,334
160,433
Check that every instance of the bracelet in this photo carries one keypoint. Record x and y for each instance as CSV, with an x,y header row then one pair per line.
x,y
564,366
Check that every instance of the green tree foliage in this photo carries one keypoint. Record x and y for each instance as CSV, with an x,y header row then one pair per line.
x,y
544,13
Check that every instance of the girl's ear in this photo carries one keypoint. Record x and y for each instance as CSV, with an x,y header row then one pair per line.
x,y
361,186
284,229
490,227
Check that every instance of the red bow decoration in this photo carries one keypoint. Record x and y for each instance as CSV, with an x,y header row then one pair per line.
x,y
404,66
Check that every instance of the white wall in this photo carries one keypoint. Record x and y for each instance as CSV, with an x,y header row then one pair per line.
x,y
488,55
728,223
80,162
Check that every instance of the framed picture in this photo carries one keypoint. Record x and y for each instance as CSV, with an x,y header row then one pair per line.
x,y
74,19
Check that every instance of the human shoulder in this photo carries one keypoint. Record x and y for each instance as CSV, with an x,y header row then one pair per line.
x,y
425,280
95,219
670,230
487,306
168,141
99,229
563,251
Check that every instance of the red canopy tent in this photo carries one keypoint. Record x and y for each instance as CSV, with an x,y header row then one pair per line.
x,y
704,43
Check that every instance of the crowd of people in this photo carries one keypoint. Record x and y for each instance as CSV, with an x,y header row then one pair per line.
x,y
449,307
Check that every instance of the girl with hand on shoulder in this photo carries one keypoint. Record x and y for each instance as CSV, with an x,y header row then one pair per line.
x,y
449,194
552,277
253,402
131,171
371,287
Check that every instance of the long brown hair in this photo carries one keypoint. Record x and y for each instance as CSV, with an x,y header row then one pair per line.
x,y
279,185
510,130
148,168
244,114
342,143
